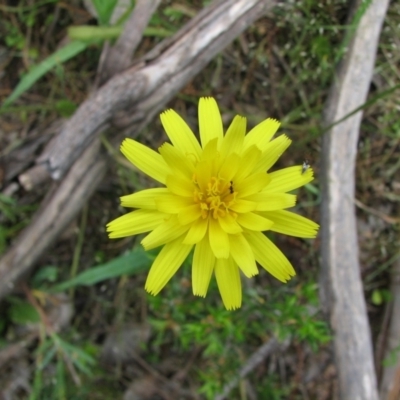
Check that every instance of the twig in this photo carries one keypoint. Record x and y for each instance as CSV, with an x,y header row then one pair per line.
x,y
386,218
119,57
341,287
268,348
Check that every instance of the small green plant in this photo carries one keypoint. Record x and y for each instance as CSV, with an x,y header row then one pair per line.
x,y
12,219
82,37
68,360
288,312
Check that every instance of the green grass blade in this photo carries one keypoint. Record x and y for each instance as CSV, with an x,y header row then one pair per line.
x,y
132,263
372,100
65,53
89,33
104,10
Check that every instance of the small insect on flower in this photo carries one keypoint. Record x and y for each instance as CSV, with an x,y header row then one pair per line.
x,y
215,197
305,166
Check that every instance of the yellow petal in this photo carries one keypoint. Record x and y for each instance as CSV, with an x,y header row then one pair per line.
x,y
269,256
229,167
272,152
171,203
197,231
135,222
229,284
219,241
143,199
210,122
210,151
243,255
252,184
243,206
229,224
164,233
177,161
266,201
170,258
247,163
292,224
234,137
180,186
147,160
261,134
203,174
290,178
254,222
202,267
189,214
180,134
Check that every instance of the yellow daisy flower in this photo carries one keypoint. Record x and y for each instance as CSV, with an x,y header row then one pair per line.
x,y
217,198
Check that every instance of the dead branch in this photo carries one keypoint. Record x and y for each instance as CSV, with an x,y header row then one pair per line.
x,y
134,89
119,57
109,65
138,94
268,348
62,202
341,286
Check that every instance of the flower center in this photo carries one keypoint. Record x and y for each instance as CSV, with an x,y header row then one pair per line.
x,y
216,200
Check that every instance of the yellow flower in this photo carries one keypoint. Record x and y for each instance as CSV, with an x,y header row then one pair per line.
x,y
217,198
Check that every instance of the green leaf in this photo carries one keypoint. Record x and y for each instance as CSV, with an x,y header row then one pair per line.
x,y
88,33
21,312
377,298
320,47
46,274
65,53
80,358
132,263
65,108
104,9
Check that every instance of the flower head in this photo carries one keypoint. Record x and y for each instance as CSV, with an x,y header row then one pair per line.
x,y
217,197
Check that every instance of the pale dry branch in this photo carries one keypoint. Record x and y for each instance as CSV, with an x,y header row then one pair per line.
x,y
341,288
109,65
119,56
131,94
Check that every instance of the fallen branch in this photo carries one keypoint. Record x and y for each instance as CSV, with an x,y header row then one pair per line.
x,y
341,288
132,93
268,348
